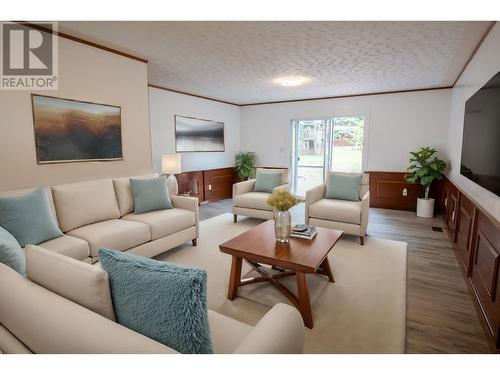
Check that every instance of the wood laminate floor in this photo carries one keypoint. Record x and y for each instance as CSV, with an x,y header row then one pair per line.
x,y
441,317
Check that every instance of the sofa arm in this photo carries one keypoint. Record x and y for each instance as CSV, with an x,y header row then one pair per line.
x,y
243,187
188,203
285,187
365,210
312,196
280,331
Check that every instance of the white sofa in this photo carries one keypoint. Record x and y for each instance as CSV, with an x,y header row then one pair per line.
x,y
251,203
348,216
65,306
99,213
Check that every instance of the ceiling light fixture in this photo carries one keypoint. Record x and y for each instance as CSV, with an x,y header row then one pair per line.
x,y
291,81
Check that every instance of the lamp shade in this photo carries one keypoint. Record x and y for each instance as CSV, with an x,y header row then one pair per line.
x,y
171,163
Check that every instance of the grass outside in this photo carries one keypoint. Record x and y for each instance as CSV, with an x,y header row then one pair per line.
x,y
345,159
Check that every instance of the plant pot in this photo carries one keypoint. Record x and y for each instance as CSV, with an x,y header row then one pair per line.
x,y
282,226
425,207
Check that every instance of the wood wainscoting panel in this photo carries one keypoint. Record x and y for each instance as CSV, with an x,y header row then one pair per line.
x,y
475,235
452,216
485,271
218,183
464,231
386,191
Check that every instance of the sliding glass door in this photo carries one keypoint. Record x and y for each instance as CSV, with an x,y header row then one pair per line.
x,y
347,144
322,145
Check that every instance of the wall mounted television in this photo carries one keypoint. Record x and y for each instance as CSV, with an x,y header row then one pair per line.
x,y
481,139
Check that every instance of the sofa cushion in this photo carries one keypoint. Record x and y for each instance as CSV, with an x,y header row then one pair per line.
x,y
150,194
364,185
11,253
85,203
77,281
117,234
266,182
336,210
344,186
254,199
48,191
165,222
227,333
69,246
283,171
169,302
124,193
29,218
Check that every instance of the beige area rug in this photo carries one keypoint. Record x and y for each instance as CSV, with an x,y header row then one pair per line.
x,y
364,311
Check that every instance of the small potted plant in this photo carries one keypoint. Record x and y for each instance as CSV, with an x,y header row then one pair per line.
x,y
282,200
244,163
423,169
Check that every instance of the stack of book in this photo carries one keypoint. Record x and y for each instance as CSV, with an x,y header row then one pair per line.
x,y
305,232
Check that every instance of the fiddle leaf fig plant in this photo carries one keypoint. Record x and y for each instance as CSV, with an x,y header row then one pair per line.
x,y
244,163
424,168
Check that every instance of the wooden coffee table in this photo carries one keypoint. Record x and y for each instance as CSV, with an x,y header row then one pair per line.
x,y
299,257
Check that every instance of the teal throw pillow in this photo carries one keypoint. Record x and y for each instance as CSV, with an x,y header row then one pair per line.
x,y
150,194
160,300
267,181
29,218
343,186
11,253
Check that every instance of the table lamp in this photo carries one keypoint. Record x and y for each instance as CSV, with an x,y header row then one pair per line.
x,y
171,165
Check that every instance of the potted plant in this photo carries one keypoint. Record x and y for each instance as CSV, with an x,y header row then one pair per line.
x,y
282,200
423,169
244,164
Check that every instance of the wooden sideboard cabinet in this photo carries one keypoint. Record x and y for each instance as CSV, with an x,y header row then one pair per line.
x,y
207,185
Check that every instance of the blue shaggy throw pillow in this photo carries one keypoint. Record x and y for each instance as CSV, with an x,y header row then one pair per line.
x,y
160,300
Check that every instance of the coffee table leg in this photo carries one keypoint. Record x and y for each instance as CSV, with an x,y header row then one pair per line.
x,y
304,302
328,270
234,278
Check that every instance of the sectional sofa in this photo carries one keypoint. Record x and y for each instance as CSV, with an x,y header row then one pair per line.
x,y
64,303
100,213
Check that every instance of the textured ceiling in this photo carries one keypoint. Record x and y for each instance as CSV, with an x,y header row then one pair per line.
x,y
239,61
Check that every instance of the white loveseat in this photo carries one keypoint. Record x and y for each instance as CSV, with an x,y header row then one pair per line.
x,y
251,203
65,306
99,213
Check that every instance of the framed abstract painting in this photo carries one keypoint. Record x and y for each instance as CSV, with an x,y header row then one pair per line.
x,y
68,130
198,135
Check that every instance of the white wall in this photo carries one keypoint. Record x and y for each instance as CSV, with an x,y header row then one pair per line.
x,y
163,105
87,74
397,124
484,65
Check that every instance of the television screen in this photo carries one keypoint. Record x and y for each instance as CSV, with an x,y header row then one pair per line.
x,y
481,140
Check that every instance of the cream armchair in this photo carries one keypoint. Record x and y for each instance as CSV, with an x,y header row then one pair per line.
x,y
348,216
251,203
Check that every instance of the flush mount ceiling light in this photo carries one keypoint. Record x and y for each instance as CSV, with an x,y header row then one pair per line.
x,y
291,81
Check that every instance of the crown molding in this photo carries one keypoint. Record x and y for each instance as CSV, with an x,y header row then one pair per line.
x,y
82,41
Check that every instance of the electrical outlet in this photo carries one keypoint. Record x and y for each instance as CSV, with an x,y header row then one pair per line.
x,y
405,192
210,187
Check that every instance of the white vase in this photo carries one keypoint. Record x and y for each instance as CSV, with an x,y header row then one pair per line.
x,y
425,207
